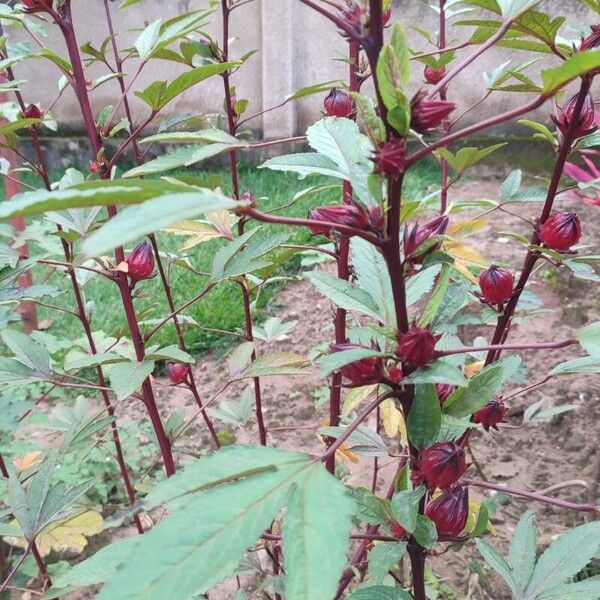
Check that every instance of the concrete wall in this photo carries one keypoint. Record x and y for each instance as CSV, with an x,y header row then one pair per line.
x,y
297,47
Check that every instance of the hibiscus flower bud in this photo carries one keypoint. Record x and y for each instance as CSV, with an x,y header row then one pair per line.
x,y
592,40
177,372
561,231
492,413
416,236
140,262
351,215
390,157
386,17
496,284
432,75
339,104
426,115
360,372
444,391
417,346
397,530
449,512
34,6
32,112
442,465
584,122
249,197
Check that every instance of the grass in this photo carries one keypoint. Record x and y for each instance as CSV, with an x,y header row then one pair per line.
x,y
222,308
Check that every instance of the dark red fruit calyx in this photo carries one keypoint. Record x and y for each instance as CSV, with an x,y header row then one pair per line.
x,y
390,157
449,512
561,231
584,123
592,40
496,284
417,235
397,530
339,104
442,465
32,112
351,215
432,75
492,413
417,346
426,115
361,372
177,372
444,391
140,262
33,6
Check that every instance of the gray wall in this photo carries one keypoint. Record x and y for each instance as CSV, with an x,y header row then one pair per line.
x,y
296,48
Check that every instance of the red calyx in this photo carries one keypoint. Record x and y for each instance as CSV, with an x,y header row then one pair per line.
x,y
592,40
428,114
561,231
351,215
177,372
32,112
416,236
34,6
492,413
140,262
496,284
444,391
584,123
442,465
361,372
390,157
339,104
417,346
449,512
397,530
432,75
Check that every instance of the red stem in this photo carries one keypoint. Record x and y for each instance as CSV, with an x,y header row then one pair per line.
x,y
501,347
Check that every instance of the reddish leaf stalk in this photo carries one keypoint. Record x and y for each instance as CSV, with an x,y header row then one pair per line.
x,y
443,96
68,31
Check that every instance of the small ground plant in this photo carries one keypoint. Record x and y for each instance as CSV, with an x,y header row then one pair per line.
x,y
175,511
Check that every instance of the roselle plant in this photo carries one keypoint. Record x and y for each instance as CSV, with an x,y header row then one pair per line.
x,y
399,349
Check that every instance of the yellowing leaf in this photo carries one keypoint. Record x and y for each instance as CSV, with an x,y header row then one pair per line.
x,y
343,450
466,254
391,418
197,231
474,508
30,459
222,220
465,271
355,397
473,368
403,431
466,228
69,534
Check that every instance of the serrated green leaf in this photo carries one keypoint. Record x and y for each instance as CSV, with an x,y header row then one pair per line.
x,y
383,557
522,551
425,417
589,339
127,377
496,562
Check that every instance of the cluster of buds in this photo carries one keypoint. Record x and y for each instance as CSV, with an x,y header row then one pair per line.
x,y
584,122
496,285
449,512
426,115
349,214
356,14
177,372
560,231
360,372
140,263
390,157
433,76
339,104
418,235
441,465
492,413
35,6
417,346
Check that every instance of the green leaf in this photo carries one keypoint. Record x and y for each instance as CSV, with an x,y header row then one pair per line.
x,y
336,360
421,283
522,551
589,339
316,531
439,371
466,157
512,8
276,363
153,215
482,387
564,558
12,294
27,351
379,592
317,88
425,532
425,417
304,163
146,41
405,507
578,64
126,378
588,589
345,295
586,364
541,129
432,308
171,353
383,557
496,562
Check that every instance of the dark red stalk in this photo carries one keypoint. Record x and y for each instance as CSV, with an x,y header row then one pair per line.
x,y
443,96
501,347
531,258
